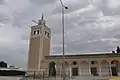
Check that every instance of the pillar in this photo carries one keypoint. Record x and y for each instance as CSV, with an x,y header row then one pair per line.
x,y
89,68
70,71
79,71
110,69
100,70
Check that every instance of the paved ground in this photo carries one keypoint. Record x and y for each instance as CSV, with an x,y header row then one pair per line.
x,y
73,78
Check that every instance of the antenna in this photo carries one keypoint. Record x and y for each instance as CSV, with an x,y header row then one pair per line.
x,y
35,21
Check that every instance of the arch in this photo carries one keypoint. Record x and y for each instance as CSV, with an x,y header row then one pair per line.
x,y
84,65
105,70
94,62
74,63
84,62
94,68
115,67
52,69
104,62
75,68
114,61
66,64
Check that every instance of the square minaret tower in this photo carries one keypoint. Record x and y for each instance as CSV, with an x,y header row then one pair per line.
x,y
39,44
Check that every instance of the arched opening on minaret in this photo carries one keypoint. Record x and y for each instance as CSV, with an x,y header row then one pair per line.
x,y
52,69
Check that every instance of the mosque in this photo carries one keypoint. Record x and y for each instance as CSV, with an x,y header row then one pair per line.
x,y
39,58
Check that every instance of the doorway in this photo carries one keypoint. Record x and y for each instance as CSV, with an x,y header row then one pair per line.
x,y
114,71
74,71
94,71
52,69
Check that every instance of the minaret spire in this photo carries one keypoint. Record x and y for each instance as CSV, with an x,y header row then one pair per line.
x,y
42,16
41,21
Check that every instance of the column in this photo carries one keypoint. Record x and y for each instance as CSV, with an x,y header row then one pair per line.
x,y
79,71
100,70
70,71
60,71
110,69
89,68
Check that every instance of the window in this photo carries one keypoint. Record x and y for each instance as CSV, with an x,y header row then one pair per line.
x,y
92,62
74,63
47,34
36,32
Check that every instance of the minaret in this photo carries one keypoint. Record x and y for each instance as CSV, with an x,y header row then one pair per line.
x,y
39,44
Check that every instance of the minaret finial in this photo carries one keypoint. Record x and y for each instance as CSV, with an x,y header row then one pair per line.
x,y
41,21
42,16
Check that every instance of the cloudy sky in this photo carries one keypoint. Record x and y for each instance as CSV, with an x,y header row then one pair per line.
x,y
90,26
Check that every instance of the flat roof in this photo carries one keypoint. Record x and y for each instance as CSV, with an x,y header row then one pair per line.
x,y
84,56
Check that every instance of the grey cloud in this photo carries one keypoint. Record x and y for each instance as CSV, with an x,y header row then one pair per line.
x,y
104,6
24,16
86,28
82,34
4,18
91,40
41,2
109,11
57,50
13,54
14,59
79,36
2,2
72,6
14,45
97,46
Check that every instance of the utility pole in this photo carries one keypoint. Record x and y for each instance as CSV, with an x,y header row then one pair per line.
x,y
63,37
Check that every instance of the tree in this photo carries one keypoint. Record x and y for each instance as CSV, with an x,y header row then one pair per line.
x,y
118,49
3,64
113,52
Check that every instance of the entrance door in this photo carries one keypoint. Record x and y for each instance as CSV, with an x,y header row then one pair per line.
x,y
114,71
52,69
74,71
94,71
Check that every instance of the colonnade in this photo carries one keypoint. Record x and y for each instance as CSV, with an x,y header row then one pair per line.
x,y
85,68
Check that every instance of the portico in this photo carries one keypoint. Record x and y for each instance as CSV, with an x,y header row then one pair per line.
x,y
85,65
